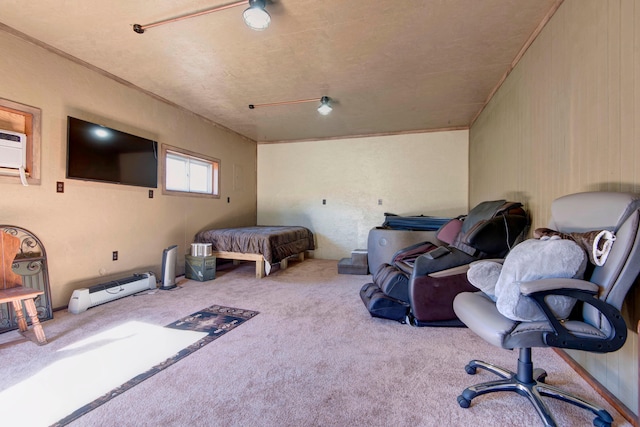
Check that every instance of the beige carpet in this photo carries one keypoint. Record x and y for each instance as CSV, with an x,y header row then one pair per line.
x,y
312,357
98,358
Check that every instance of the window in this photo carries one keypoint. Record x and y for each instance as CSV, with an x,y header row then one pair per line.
x,y
190,173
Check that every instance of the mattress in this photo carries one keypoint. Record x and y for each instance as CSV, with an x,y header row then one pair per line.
x,y
274,243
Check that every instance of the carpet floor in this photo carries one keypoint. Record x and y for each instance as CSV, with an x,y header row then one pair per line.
x,y
312,357
133,341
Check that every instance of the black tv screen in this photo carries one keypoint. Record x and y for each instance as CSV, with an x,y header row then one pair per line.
x,y
99,153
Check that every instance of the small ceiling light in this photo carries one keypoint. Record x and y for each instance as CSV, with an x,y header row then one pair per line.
x,y
325,107
255,16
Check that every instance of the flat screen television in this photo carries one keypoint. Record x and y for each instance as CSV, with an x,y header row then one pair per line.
x,y
99,153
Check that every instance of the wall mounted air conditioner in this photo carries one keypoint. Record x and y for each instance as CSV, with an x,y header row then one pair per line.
x,y
13,152
13,149
85,298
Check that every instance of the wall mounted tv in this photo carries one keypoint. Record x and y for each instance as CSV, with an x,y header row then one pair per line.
x,y
99,153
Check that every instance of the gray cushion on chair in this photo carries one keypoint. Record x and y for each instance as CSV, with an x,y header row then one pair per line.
x,y
529,261
477,309
538,259
480,313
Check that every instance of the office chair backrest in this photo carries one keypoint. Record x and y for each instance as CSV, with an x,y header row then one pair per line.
x,y
616,212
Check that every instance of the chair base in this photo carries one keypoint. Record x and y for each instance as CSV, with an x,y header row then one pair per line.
x,y
528,382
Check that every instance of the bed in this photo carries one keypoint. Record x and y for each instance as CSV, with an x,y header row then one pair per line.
x,y
266,245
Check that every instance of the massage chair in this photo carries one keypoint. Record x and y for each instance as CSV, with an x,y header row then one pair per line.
x,y
419,283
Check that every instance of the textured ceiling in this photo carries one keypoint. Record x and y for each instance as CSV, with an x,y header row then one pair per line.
x,y
390,67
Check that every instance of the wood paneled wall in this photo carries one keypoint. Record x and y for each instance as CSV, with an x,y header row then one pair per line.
x,y
567,119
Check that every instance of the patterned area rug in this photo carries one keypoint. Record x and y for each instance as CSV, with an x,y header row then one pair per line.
x,y
215,321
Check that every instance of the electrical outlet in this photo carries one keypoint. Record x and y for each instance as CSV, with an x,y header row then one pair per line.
x,y
151,194
59,187
379,201
324,201
115,255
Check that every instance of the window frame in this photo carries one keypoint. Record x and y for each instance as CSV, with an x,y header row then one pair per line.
x,y
215,172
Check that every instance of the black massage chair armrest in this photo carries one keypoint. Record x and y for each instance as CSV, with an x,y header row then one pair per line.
x,y
427,264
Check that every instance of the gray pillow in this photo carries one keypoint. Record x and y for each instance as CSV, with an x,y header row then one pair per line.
x,y
530,260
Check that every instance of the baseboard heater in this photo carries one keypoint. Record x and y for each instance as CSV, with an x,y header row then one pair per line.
x,y
85,298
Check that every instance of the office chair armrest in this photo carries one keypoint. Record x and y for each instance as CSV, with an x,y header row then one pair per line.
x,y
563,338
528,288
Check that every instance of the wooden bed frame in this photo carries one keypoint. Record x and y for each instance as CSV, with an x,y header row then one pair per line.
x,y
259,260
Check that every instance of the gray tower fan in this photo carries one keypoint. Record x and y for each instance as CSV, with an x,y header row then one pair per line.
x,y
168,277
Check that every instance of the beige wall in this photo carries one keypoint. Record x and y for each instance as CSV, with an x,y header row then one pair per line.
x,y
81,227
422,173
567,120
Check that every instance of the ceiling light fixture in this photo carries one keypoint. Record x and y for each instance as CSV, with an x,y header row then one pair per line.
x,y
324,108
256,17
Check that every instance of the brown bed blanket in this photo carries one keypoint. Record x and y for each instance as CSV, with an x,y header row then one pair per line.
x,y
275,243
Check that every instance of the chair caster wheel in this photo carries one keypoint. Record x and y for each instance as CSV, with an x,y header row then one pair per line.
x,y
598,422
471,370
465,403
540,375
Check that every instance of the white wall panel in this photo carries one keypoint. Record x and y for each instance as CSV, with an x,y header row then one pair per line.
x,y
413,174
